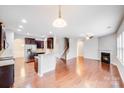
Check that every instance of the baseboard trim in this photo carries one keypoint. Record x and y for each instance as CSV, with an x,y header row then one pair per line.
x,y
84,58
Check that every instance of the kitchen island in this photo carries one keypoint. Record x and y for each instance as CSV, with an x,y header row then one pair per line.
x,y
46,62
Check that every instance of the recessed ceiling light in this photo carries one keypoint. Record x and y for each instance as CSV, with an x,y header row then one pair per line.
x,y
19,30
27,33
20,26
50,32
24,21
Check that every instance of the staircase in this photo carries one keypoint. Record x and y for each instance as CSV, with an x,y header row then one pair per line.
x,y
63,57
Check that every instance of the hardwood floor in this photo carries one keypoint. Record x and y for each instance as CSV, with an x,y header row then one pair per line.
x,y
76,73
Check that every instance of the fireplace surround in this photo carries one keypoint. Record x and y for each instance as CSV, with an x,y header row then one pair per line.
x,y
105,57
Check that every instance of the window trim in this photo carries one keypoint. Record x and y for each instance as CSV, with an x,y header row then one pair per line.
x,y
120,47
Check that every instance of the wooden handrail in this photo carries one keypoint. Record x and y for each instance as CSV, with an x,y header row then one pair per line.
x,y
64,54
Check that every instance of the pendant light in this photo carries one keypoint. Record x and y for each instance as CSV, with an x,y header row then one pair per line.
x,y
59,22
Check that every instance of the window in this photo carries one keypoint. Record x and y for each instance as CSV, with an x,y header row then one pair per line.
x,y
123,47
118,52
120,47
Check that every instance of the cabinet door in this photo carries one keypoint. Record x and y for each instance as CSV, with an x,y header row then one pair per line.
x,y
0,36
6,76
33,41
42,44
30,41
27,41
50,43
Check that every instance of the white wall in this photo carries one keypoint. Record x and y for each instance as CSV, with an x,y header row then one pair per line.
x,y
80,45
108,44
58,46
72,48
90,49
10,40
19,48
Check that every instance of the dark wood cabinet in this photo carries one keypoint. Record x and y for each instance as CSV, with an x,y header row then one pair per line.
x,y
0,36
50,43
30,41
40,44
36,65
6,76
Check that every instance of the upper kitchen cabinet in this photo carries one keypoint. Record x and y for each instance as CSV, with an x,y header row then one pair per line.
x,y
0,36
50,42
30,41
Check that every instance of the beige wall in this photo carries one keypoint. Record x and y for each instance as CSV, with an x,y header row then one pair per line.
x,y
90,48
18,48
108,44
80,45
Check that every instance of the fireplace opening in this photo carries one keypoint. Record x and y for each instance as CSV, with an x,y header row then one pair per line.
x,y
105,57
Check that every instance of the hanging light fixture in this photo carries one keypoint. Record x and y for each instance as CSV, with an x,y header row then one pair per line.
x,y
59,22
89,36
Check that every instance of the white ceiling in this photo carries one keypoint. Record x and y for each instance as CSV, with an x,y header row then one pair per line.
x,y
80,19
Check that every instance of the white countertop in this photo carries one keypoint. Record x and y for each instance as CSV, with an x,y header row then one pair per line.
x,y
7,62
46,63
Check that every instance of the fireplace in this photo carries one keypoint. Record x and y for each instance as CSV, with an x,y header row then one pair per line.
x,y
105,57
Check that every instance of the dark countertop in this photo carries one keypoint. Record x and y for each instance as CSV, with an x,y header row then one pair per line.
x,y
40,53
